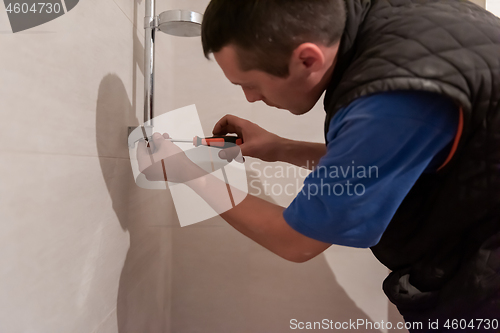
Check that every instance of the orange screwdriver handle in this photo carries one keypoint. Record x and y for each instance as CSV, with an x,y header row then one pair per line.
x,y
218,141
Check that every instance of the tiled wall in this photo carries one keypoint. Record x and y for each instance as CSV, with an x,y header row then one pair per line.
x,y
83,248
493,6
479,2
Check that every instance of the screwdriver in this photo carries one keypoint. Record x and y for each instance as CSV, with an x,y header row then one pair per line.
x,y
214,141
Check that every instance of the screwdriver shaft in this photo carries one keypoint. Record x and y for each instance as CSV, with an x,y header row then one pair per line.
x,y
175,140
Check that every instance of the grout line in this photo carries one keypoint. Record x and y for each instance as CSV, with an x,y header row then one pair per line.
x,y
120,8
64,6
133,23
57,154
105,318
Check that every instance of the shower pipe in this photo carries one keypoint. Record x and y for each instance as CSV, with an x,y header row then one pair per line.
x,y
177,22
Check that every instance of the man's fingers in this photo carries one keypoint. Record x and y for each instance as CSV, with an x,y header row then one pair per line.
x,y
161,146
232,153
228,124
158,139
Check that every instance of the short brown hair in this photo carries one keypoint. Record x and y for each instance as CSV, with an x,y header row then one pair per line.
x,y
266,32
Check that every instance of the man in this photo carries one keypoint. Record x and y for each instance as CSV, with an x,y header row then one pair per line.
x,y
413,89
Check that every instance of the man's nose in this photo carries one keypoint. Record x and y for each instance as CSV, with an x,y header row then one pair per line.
x,y
252,95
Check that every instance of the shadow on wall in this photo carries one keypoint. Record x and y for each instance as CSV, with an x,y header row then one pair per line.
x,y
143,302
143,289
223,282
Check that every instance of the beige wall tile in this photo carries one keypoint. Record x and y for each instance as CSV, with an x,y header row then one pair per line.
x,y
361,276
481,3
54,88
84,247
224,282
77,246
62,270
134,10
493,6
109,325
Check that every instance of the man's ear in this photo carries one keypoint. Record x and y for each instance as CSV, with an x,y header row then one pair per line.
x,y
307,57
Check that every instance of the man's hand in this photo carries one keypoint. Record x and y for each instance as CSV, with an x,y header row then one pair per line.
x,y
257,142
163,161
256,218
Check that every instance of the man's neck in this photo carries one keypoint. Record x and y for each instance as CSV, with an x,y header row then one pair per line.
x,y
331,54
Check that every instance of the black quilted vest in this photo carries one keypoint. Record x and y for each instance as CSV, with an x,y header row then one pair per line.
x,y
443,244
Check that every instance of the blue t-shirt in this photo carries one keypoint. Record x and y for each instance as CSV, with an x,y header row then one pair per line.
x,y
377,147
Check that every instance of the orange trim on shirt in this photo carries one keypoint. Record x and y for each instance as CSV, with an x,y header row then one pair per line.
x,y
457,139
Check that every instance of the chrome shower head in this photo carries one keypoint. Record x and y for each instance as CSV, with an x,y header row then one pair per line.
x,y
182,23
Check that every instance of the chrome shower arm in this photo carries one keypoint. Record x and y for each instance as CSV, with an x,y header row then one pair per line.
x,y
149,62
177,22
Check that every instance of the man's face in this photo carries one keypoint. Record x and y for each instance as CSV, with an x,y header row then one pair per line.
x,y
292,93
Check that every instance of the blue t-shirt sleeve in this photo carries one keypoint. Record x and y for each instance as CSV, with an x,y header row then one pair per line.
x,y
378,146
